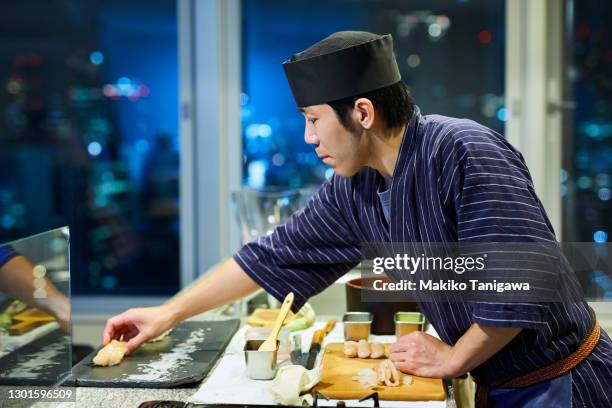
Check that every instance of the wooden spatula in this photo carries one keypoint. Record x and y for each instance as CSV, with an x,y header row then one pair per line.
x,y
270,343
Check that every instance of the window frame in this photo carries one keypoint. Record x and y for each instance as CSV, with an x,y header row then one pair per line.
x,y
534,93
210,86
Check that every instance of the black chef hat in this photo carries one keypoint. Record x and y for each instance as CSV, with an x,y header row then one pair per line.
x,y
345,64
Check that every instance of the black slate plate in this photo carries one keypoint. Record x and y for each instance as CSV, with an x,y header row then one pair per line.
x,y
52,355
180,359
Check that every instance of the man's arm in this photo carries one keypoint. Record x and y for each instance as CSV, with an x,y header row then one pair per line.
x,y
424,355
304,256
17,281
226,283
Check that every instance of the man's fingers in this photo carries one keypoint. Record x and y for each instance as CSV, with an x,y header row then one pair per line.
x,y
109,331
395,357
398,347
121,333
135,342
130,333
113,327
403,367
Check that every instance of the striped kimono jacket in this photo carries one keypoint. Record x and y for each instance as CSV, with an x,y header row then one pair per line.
x,y
6,254
455,181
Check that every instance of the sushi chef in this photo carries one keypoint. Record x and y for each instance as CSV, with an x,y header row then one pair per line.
x,y
402,176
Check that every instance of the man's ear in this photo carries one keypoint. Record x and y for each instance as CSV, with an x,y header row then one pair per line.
x,y
363,113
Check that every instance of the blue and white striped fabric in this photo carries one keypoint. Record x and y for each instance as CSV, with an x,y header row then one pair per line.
x,y
455,181
6,254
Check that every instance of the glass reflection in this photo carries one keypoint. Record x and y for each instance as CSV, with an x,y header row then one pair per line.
x,y
35,347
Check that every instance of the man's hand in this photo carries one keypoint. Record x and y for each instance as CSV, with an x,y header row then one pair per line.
x,y
59,306
421,354
226,283
139,325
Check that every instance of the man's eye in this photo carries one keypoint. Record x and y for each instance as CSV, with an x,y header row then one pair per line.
x,y
312,120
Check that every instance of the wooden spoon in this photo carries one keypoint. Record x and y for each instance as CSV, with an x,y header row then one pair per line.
x,y
270,343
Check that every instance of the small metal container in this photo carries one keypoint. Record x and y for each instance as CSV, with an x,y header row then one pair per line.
x,y
357,325
260,365
262,333
408,322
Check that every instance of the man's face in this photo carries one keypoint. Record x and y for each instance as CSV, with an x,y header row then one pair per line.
x,y
336,146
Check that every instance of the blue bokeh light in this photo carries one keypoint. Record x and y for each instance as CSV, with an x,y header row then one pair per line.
x,y
142,145
94,148
257,174
600,237
258,130
124,84
96,58
604,194
8,221
109,282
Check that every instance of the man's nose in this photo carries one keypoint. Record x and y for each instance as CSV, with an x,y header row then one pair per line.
x,y
311,137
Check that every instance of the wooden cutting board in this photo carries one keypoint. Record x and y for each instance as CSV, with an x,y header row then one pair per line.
x,y
267,317
337,383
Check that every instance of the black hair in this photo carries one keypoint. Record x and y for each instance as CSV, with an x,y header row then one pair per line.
x,y
393,102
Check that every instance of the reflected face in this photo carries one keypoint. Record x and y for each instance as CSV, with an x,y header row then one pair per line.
x,y
336,146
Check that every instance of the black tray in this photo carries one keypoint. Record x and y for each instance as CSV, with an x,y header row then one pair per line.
x,y
180,359
16,368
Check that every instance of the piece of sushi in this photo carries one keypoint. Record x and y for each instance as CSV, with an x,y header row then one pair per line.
x,y
111,354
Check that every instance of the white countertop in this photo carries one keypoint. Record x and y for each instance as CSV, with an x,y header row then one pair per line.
x,y
229,375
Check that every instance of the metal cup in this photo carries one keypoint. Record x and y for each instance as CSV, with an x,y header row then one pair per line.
x,y
260,365
408,322
357,325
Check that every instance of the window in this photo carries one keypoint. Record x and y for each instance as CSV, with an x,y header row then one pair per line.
x,y
450,54
89,137
586,176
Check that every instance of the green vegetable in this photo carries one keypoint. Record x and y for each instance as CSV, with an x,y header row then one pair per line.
x,y
306,319
5,320
16,307
410,318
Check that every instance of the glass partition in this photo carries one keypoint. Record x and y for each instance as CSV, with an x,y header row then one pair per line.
x,y
35,319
